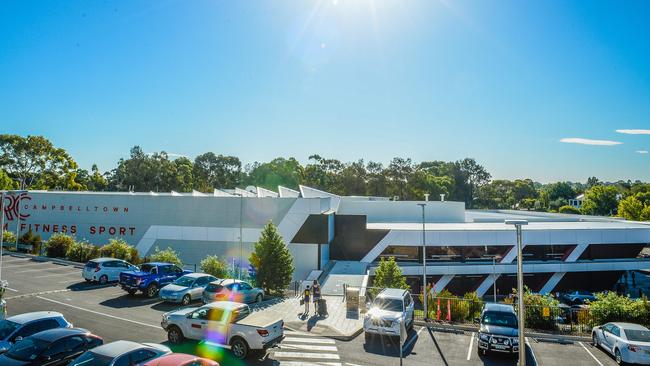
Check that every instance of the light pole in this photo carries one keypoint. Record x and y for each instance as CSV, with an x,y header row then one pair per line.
x,y
2,228
424,264
241,230
520,288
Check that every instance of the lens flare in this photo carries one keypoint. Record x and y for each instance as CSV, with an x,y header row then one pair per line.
x,y
215,337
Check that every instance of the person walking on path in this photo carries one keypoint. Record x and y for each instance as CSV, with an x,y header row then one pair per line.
x,y
316,294
305,297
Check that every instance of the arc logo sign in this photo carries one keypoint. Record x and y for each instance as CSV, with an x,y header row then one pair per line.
x,y
12,204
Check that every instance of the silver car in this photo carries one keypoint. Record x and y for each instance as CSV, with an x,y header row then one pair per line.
x,y
627,342
186,288
232,290
121,353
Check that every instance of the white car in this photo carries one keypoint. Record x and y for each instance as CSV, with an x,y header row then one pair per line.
x,y
627,342
391,307
225,323
121,353
103,270
21,326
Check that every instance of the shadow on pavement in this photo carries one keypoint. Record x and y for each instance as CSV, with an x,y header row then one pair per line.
x,y
128,301
389,346
87,286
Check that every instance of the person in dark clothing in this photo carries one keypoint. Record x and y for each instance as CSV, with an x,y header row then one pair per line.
x,y
316,294
306,297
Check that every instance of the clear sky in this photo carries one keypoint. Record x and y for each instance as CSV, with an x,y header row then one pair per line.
x,y
501,81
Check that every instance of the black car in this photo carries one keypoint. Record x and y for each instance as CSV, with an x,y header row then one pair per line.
x,y
498,330
50,348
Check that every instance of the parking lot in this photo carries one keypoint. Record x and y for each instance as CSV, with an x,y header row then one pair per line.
x,y
113,314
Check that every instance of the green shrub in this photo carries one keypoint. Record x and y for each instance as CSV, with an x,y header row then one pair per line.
x,y
168,255
566,209
34,240
535,304
58,244
8,237
120,249
82,252
214,266
610,307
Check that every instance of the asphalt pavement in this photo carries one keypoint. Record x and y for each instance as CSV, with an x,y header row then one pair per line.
x,y
112,314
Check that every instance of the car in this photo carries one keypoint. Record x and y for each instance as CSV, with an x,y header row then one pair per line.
x,y
627,342
51,347
232,290
181,359
498,329
24,325
577,297
186,289
390,308
225,323
104,270
121,353
150,277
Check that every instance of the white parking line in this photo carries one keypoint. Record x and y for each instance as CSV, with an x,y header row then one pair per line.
x,y
309,347
57,274
408,344
309,340
302,363
12,289
531,350
304,355
100,313
469,350
590,354
39,264
47,270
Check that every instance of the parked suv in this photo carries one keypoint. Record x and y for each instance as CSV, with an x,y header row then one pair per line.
x,y
103,270
150,278
17,327
498,329
232,290
390,307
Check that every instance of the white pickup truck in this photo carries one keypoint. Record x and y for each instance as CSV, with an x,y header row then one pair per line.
x,y
225,323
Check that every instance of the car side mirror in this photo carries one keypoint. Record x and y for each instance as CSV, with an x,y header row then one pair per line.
x,y
18,339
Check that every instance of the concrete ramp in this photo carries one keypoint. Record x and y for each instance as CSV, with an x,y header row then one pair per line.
x,y
350,273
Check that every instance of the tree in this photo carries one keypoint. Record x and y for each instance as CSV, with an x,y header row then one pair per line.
x,y
277,172
592,182
398,173
152,172
214,266
468,175
216,171
389,275
377,183
274,261
168,255
630,208
6,183
35,162
600,200
566,209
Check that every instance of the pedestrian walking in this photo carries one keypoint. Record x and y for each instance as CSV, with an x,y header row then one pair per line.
x,y
316,294
305,298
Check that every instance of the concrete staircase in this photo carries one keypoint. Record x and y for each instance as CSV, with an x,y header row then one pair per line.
x,y
350,273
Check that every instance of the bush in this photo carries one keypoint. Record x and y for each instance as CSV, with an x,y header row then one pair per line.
x,y
214,266
610,307
535,304
566,209
34,240
58,245
8,237
168,255
120,249
82,252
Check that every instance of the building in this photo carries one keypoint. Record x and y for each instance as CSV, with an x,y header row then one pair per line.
x,y
347,236
577,202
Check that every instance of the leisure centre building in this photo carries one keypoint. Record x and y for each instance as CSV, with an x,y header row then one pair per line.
x,y
346,236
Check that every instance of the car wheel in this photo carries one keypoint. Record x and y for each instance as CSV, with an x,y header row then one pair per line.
x,y
258,298
617,356
186,300
239,348
594,340
103,280
131,292
87,280
175,335
152,290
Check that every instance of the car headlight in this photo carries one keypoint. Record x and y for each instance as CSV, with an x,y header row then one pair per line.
x,y
484,337
494,341
506,342
515,341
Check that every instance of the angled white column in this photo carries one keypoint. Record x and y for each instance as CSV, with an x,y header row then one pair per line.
x,y
552,282
443,282
576,253
486,284
511,255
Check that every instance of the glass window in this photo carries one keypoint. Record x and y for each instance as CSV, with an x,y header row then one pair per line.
x,y
245,286
616,330
6,328
500,319
202,281
56,348
93,359
637,335
200,314
122,361
141,355
216,315
109,264
146,268
27,349
389,304
184,281
75,343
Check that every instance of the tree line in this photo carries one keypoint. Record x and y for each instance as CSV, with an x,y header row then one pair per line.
x,y
33,162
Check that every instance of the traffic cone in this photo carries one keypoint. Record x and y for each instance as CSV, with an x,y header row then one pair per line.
x,y
438,313
448,310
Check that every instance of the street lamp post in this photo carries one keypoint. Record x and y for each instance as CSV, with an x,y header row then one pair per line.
x,y
520,288
2,228
241,230
424,264
494,278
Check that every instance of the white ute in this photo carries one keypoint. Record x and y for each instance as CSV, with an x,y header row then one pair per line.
x,y
391,307
225,323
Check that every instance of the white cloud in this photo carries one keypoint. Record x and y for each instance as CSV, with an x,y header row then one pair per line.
x,y
642,151
634,132
578,140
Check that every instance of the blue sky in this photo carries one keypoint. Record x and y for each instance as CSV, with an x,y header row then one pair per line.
x,y
501,81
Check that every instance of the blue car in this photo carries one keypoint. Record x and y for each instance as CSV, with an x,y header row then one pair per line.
x,y
150,278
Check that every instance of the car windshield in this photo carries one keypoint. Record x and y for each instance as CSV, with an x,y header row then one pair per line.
x,y
388,304
213,287
91,359
500,319
586,293
146,268
637,335
184,281
27,349
6,328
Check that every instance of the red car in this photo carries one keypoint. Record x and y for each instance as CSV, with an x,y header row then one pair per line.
x,y
181,359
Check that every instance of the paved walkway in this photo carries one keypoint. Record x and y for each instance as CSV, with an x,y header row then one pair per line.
x,y
338,324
